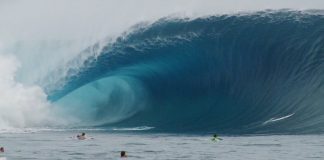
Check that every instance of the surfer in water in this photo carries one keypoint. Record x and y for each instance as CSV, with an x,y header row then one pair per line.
x,y
216,138
81,137
123,154
2,151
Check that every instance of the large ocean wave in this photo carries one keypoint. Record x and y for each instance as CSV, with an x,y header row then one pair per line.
x,y
257,72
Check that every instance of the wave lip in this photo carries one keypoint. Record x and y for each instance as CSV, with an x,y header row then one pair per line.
x,y
227,73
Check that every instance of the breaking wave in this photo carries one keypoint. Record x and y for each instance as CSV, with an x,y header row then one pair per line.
x,y
259,72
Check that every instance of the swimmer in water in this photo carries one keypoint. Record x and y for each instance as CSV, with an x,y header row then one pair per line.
x,y
123,154
81,137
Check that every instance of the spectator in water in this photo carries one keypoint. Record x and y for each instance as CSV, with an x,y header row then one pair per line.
x,y
123,154
81,137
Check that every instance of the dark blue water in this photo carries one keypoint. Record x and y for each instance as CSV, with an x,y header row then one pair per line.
x,y
260,72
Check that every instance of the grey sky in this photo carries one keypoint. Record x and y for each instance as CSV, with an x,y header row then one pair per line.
x,y
75,18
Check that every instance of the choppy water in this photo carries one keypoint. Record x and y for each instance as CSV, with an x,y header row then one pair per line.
x,y
55,145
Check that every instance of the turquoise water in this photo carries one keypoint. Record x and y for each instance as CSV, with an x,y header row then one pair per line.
x,y
56,145
252,73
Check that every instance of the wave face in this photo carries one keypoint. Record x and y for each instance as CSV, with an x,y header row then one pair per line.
x,y
260,72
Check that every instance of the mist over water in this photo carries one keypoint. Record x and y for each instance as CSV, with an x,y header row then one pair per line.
x,y
46,45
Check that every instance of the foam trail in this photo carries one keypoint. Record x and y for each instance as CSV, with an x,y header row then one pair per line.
x,y
141,128
278,119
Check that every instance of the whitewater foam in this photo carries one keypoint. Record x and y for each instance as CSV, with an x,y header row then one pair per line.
x,y
20,105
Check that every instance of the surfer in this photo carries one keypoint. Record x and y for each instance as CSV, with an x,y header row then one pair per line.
x,y
2,151
216,138
123,154
81,137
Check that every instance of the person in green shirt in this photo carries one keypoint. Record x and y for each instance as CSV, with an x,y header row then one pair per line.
x,y
216,138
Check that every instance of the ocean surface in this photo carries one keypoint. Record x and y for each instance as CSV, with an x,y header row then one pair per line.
x,y
106,145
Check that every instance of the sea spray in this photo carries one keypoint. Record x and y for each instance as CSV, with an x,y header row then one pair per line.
x,y
20,105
